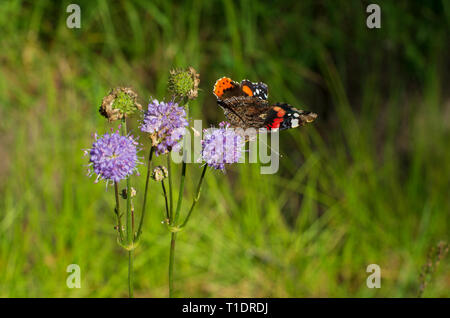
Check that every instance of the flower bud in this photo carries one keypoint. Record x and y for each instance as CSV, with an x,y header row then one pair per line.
x,y
119,103
184,83
160,173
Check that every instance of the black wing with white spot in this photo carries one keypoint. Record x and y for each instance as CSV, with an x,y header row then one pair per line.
x,y
259,89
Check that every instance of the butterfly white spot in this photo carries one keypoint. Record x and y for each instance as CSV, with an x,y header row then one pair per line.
x,y
294,123
296,115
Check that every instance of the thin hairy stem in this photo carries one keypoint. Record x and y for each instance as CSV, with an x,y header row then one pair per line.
x,y
141,221
170,190
196,197
129,225
117,212
165,198
171,262
180,193
130,273
183,172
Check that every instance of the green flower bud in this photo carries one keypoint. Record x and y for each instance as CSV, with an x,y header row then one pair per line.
x,y
119,103
184,83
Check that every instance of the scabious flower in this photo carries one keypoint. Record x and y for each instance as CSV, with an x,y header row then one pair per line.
x,y
165,123
184,83
119,103
113,157
221,146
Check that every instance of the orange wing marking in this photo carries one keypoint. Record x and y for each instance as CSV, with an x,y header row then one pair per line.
x,y
247,90
221,85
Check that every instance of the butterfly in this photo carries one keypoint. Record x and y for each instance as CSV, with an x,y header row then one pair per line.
x,y
245,106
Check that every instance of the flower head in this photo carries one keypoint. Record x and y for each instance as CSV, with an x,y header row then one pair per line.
x,y
160,173
119,103
113,157
184,83
221,146
165,122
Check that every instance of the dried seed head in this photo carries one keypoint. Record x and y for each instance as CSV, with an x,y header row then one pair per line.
x,y
160,173
119,103
184,83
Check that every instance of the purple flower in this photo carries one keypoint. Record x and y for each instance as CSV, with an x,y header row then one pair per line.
x,y
165,122
113,157
221,146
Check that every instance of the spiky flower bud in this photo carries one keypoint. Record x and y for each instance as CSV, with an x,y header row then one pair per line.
x,y
160,173
119,103
184,83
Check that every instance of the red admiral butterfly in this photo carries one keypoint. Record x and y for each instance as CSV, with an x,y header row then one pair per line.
x,y
245,106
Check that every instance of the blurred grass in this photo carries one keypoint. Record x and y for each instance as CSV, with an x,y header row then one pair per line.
x,y
367,183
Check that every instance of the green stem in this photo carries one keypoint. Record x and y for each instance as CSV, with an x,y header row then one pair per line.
x,y
183,172
183,169
196,197
170,190
117,211
129,214
165,198
180,193
130,273
145,194
171,262
173,220
129,225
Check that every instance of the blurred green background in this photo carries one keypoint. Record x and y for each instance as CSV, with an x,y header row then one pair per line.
x,y
367,183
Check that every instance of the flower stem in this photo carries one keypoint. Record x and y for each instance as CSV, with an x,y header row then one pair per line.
x,y
145,194
183,168
197,196
130,273
129,225
174,234
117,211
170,190
165,198
129,214
180,193
171,262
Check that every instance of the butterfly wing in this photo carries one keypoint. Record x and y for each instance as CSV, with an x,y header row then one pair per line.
x,y
258,89
225,88
284,116
245,111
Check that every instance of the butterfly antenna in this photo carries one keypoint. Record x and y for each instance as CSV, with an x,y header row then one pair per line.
x,y
270,147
